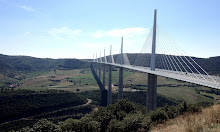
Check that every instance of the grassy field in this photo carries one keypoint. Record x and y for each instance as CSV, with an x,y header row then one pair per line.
x,y
80,80
70,80
177,90
183,93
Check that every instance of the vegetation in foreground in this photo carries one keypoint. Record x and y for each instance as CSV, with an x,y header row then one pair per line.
x,y
119,117
206,121
60,110
18,110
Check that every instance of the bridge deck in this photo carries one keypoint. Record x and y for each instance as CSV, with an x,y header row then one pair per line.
x,y
203,80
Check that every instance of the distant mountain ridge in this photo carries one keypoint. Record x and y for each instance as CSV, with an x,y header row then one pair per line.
x,y
26,64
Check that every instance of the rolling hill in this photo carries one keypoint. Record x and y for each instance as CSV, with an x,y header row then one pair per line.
x,y
26,64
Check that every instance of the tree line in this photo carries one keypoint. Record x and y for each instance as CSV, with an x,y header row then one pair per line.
x,y
123,116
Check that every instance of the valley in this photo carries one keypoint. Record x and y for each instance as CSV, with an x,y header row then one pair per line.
x,y
57,93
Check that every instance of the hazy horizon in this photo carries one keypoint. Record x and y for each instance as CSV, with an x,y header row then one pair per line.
x,y
85,58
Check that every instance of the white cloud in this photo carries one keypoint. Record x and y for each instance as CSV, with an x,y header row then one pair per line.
x,y
98,34
62,32
129,32
29,9
35,12
27,33
125,32
133,38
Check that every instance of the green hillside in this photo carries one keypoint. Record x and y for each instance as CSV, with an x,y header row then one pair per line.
x,y
26,64
17,68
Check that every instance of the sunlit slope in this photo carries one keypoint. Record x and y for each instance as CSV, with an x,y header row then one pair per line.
x,y
206,121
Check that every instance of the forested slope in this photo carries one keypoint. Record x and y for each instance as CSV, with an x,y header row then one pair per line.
x,y
12,64
24,103
26,64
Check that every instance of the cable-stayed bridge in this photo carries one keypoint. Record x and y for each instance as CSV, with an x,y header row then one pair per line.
x,y
159,56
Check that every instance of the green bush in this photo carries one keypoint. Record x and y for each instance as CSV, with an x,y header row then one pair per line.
x,y
133,121
116,126
158,116
70,125
94,126
44,125
146,123
84,122
192,108
171,111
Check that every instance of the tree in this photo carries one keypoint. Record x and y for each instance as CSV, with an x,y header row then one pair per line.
x,y
71,125
44,125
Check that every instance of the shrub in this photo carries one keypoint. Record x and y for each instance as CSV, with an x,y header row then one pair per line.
x,y
84,122
192,108
70,125
171,111
133,121
116,126
44,125
146,123
158,116
94,126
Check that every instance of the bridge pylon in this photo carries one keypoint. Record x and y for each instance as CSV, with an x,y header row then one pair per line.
x,y
96,69
100,59
120,85
151,102
105,61
109,99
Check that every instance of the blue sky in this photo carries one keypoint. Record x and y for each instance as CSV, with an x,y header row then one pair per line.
x,y
79,28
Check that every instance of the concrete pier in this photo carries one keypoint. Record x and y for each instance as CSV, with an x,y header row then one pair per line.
x,y
104,97
100,71
96,69
103,79
120,85
151,92
103,91
109,100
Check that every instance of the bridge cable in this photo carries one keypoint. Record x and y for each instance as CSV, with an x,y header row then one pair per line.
x,y
189,62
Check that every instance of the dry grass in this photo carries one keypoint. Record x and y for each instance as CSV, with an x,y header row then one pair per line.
x,y
136,78
34,81
207,121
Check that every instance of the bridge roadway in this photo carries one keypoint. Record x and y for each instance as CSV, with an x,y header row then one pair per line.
x,y
203,80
